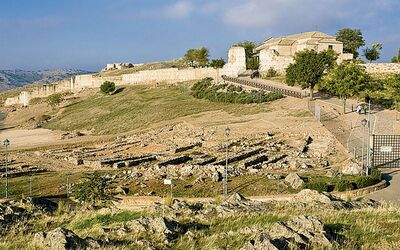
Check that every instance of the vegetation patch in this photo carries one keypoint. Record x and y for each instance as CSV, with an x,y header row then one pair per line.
x,y
105,219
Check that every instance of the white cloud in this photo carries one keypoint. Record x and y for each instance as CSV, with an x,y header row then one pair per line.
x,y
176,10
287,15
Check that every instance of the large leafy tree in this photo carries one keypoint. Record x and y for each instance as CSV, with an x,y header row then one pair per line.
x,y
309,67
352,40
249,46
373,53
346,80
197,57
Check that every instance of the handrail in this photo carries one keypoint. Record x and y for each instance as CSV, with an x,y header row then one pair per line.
x,y
264,86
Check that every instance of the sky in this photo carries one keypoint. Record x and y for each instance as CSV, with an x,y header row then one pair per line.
x,y
87,34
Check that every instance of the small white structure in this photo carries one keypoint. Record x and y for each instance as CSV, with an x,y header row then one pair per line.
x,y
236,62
114,66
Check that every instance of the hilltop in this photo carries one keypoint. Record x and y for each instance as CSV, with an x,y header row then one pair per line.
x,y
10,79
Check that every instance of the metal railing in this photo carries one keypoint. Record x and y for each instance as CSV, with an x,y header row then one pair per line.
x,y
265,86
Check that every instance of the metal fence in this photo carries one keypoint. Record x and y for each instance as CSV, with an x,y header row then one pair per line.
x,y
265,86
386,151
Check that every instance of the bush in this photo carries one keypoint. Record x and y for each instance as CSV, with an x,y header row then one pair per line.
x,y
272,72
319,186
54,99
365,181
344,185
107,87
93,190
234,88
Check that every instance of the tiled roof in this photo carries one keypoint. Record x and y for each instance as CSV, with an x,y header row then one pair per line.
x,y
310,38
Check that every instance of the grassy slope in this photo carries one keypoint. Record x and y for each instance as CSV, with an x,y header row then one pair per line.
x,y
139,107
360,228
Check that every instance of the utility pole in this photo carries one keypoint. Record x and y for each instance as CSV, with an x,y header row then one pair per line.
x,y
30,186
363,123
6,143
227,132
369,137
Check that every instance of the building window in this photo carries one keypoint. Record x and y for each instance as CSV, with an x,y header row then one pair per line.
x,y
330,46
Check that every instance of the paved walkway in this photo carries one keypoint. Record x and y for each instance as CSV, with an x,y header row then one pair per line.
x,y
392,192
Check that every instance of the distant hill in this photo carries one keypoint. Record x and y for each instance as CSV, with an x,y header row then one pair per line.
x,y
10,79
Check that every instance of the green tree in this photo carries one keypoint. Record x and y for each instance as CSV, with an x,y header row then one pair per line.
x,y
249,46
309,67
373,54
107,87
352,40
197,57
392,88
396,59
93,190
55,99
346,80
217,63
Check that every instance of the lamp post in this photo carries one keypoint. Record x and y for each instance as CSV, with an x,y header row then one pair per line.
x,y
363,123
6,143
227,132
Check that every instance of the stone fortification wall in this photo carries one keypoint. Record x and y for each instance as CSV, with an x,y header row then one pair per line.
x,y
171,75
77,83
382,67
91,81
40,91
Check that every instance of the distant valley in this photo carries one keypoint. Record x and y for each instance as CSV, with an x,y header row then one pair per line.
x,y
10,79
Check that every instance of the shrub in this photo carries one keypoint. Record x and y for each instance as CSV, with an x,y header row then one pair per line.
x,y
93,190
54,99
234,88
365,181
107,87
344,185
319,186
272,72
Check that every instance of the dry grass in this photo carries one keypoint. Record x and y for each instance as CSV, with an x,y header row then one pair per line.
x,y
138,107
366,228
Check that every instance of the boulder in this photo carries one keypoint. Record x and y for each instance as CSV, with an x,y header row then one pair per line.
x,y
262,242
160,225
303,230
236,198
309,196
41,205
294,180
352,168
216,176
63,239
